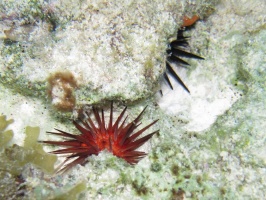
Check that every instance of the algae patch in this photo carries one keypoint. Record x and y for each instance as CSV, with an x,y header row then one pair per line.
x,y
5,135
14,158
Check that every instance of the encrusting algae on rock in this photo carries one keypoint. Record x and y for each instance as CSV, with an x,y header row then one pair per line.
x,y
114,50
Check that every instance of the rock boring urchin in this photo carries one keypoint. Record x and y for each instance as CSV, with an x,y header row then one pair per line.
x,y
176,50
119,138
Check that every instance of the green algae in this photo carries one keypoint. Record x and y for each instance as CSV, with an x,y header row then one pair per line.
x,y
15,157
5,135
4,123
5,138
8,186
36,154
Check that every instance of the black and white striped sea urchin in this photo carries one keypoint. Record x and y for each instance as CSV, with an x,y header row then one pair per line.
x,y
119,138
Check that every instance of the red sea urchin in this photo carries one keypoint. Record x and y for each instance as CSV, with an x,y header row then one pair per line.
x,y
118,138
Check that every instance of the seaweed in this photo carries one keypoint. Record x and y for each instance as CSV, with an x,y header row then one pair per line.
x,y
14,158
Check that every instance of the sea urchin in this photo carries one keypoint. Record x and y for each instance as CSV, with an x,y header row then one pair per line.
x,y
175,51
119,138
